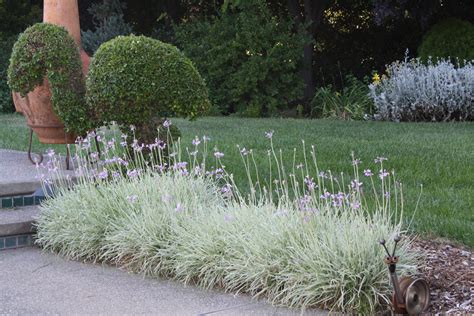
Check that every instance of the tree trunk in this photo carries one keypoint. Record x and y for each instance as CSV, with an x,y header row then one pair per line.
x,y
307,74
311,13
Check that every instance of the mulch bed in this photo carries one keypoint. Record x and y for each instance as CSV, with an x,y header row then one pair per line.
x,y
449,270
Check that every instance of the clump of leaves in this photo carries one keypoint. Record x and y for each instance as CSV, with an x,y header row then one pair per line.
x,y
47,50
352,102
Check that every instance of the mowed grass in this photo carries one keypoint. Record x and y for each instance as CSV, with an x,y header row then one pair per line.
x,y
439,156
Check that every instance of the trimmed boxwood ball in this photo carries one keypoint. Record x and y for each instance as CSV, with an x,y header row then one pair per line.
x,y
135,79
48,50
449,38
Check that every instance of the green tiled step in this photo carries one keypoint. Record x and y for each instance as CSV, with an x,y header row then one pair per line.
x,y
21,200
18,221
16,241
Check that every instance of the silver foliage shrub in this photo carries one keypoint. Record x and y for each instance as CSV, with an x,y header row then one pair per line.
x,y
413,91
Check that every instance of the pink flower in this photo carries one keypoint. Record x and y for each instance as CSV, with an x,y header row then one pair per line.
x,y
368,173
218,154
269,134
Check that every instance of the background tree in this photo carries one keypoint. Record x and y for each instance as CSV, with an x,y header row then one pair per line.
x,y
107,18
15,17
308,13
249,58
354,37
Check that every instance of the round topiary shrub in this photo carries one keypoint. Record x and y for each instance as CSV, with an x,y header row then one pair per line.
x,y
133,80
47,50
450,38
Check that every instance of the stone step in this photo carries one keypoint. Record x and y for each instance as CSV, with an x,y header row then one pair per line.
x,y
18,176
18,221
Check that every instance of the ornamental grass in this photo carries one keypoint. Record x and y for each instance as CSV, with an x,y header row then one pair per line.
x,y
305,238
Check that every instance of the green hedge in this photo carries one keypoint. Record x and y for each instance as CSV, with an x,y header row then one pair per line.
x,y
134,79
450,38
48,50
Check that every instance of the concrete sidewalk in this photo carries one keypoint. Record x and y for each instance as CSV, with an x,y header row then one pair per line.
x,y
33,282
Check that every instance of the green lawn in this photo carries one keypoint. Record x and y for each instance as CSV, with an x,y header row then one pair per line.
x,y
438,155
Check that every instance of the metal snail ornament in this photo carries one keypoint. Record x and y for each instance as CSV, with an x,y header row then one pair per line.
x,y
410,296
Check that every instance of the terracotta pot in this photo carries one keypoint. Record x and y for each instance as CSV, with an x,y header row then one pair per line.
x,y
66,14
18,101
38,110
36,106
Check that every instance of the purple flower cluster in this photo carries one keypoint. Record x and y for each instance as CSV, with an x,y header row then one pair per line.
x,y
226,190
167,124
132,173
104,174
311,185
355,184
383,174
196,141
368,173
337,200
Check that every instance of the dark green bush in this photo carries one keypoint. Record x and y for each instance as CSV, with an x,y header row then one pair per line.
x,y
249,58
6,102
48,50
107,17
450,38
136,79
352,102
